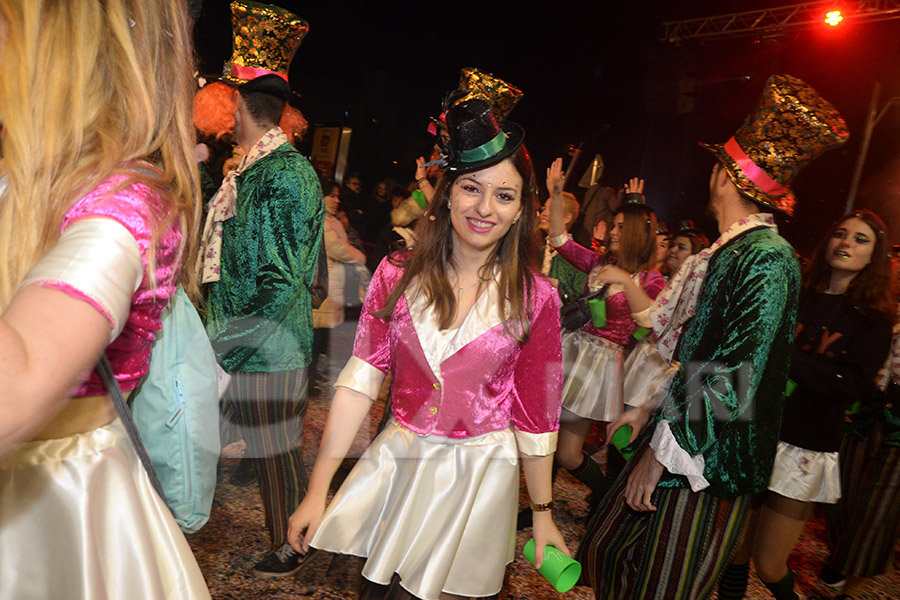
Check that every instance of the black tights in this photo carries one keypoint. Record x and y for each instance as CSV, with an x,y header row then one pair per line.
x,y
392,591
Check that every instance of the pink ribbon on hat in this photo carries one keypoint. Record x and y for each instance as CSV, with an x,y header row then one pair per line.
x,y
248,73
752,171
432,127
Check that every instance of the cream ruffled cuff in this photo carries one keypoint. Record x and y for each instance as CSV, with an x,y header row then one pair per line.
x,y
100,258
360,376
642,318
558,240
536,444
675,459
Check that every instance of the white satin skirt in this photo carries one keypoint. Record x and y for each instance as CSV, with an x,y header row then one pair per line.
x,y
647,376
806,475
80,520
593,376
439,512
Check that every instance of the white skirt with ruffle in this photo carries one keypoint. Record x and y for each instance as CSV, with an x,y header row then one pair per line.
x,y
79,519
439,512
593,376
806,475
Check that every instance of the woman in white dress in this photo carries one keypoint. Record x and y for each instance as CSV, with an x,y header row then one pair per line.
x,y
470,333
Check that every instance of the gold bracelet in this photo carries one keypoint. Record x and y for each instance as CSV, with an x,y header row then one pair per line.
x,y
542,506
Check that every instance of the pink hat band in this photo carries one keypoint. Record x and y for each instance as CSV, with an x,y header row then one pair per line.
x,y
248,73
755,174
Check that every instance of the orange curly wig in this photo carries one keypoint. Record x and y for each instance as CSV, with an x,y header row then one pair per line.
x,y
214,106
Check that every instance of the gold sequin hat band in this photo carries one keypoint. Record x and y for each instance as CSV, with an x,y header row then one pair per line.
x,y
790,126
264,40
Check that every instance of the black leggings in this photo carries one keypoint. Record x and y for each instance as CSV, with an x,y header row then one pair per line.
x,y
393,591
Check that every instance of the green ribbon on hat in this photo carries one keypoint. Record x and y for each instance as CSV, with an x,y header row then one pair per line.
x,y
486,150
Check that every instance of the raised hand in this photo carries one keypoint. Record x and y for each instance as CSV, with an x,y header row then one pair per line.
x,y
635,185
420,168
555,177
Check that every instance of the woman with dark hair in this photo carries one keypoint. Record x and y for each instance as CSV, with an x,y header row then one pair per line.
x,y
863,526
843,335
686,241
593,355
470,332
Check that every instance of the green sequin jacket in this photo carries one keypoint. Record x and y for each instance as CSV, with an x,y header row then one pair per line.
x,y
726,400
259,314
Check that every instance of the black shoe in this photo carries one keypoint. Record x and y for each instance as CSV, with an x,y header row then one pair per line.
x,y
281,563
832,578
244,474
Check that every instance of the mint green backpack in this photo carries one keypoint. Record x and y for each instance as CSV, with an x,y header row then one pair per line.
x,y
176,411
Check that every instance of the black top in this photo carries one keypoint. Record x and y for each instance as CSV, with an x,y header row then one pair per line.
x,y
836,355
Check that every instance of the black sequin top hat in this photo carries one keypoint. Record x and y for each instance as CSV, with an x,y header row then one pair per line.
x,y
686,228
790,125
477,140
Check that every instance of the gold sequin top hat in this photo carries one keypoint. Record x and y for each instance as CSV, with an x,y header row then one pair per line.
x,y
264,40
502,95
788,128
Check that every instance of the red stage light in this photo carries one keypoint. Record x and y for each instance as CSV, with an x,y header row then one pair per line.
x,y
833,17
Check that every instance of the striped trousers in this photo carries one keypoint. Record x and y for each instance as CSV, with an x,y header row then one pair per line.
x,y
677,552
863,525
270,409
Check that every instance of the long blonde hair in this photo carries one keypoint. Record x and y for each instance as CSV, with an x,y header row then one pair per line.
x,y
87,87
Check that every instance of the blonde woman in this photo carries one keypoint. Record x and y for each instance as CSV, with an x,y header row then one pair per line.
x,y
98,216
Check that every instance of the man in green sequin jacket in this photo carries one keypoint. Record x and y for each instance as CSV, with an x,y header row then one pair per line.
x,y
259,312
712,445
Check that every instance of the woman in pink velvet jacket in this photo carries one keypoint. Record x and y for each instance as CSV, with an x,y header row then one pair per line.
x,y
471,335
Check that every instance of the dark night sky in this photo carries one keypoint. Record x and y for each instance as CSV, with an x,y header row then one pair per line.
x,y
592,72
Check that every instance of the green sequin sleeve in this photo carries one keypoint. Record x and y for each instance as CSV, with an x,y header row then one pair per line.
x,y
726,400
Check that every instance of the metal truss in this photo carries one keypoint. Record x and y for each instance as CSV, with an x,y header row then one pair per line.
x,y
779,20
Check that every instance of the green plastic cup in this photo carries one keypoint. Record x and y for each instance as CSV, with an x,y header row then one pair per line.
x,y
598,312
640,333
622,439
561,571
791,386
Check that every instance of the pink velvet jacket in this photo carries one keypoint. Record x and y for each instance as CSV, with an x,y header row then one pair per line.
x,y
619,324
135,206
483,381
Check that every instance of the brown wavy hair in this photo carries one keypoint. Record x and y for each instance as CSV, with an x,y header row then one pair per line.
x,y
698,240
872,290
637,244
514,254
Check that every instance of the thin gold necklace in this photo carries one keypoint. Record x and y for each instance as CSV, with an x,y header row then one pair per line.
x,y
468,287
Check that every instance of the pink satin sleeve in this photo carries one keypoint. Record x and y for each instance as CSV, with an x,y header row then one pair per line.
x,y
538,378
138,208
654,284
579,257
373,334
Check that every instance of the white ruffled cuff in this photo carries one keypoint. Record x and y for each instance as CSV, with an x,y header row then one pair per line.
x,y
360,376
100,259
558,240
675,459
642,318
536,444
